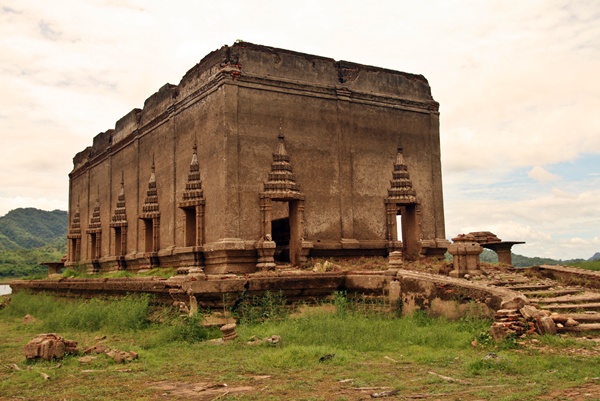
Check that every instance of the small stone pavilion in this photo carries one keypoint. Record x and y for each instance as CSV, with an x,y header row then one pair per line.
x,y
262,156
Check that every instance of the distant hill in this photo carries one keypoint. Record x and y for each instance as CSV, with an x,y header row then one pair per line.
x,y
29,237
525,261
30,228
595,257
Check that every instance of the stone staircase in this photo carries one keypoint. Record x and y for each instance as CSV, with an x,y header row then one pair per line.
x,y
566,303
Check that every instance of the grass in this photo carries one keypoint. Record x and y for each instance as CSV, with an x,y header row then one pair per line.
x,y
366,348
588,265
81,272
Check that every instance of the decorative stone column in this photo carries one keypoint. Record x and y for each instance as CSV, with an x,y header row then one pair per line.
x,y
395,260
465,253
265,248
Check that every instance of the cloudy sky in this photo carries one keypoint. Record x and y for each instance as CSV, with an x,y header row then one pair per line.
x,y
517,81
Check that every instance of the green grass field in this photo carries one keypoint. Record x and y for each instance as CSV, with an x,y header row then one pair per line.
x,y
590,265
337,351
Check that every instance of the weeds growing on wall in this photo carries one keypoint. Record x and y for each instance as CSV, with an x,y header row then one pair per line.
x,y
80,271
254,309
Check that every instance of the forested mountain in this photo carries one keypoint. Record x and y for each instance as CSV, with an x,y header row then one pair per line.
x,y
31,228
526,261
29,237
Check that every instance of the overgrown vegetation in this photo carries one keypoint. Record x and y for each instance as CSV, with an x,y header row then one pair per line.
x,y
253,309
132,313
328,352
81,272
29,237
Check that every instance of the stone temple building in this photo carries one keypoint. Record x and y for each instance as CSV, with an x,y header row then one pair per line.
x,y
258,156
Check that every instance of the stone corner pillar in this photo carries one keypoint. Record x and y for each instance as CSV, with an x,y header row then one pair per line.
x,y
266,251
465,253
395,260
305,248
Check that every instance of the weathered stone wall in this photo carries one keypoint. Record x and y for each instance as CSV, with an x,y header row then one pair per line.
x,y
342,124
407,290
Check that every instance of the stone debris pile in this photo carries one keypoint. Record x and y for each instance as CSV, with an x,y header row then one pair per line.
x,y
273,340
485,237
528,320
49,346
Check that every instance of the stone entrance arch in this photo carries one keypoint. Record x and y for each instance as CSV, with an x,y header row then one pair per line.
x,y
280,193
402,201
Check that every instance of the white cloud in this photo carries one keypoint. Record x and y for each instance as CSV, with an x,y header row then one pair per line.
x,y
553,224
542,175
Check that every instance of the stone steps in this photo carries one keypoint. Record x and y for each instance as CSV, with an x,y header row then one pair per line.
x,y
545,294
505,283
589,317
569,301
571,307
582,328
573,299
528,287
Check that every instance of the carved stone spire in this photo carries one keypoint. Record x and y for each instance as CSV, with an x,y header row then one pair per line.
x,y
120,216
401,190
193,189
75,230
150,207
281,183
95,225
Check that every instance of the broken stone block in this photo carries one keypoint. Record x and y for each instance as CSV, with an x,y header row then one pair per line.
x,y
28,319
514,303
559,318
122,356
97,349
49,346
228,331
545,325
274,339
529,312
571,322
499,331
86,359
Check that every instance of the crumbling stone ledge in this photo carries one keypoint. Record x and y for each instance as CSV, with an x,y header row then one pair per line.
x,y
569,275
403,290
452,297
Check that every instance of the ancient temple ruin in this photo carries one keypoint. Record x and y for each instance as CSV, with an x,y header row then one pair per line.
x,y
262,156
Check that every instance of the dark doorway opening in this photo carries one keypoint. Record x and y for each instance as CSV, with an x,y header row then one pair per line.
x,y
148,236
118,241
280,231
93,243
190,227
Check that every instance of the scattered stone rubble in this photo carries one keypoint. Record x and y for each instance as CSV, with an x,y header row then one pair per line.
x,y
52,346
49,346
552,307
255,340
115,354
528,320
